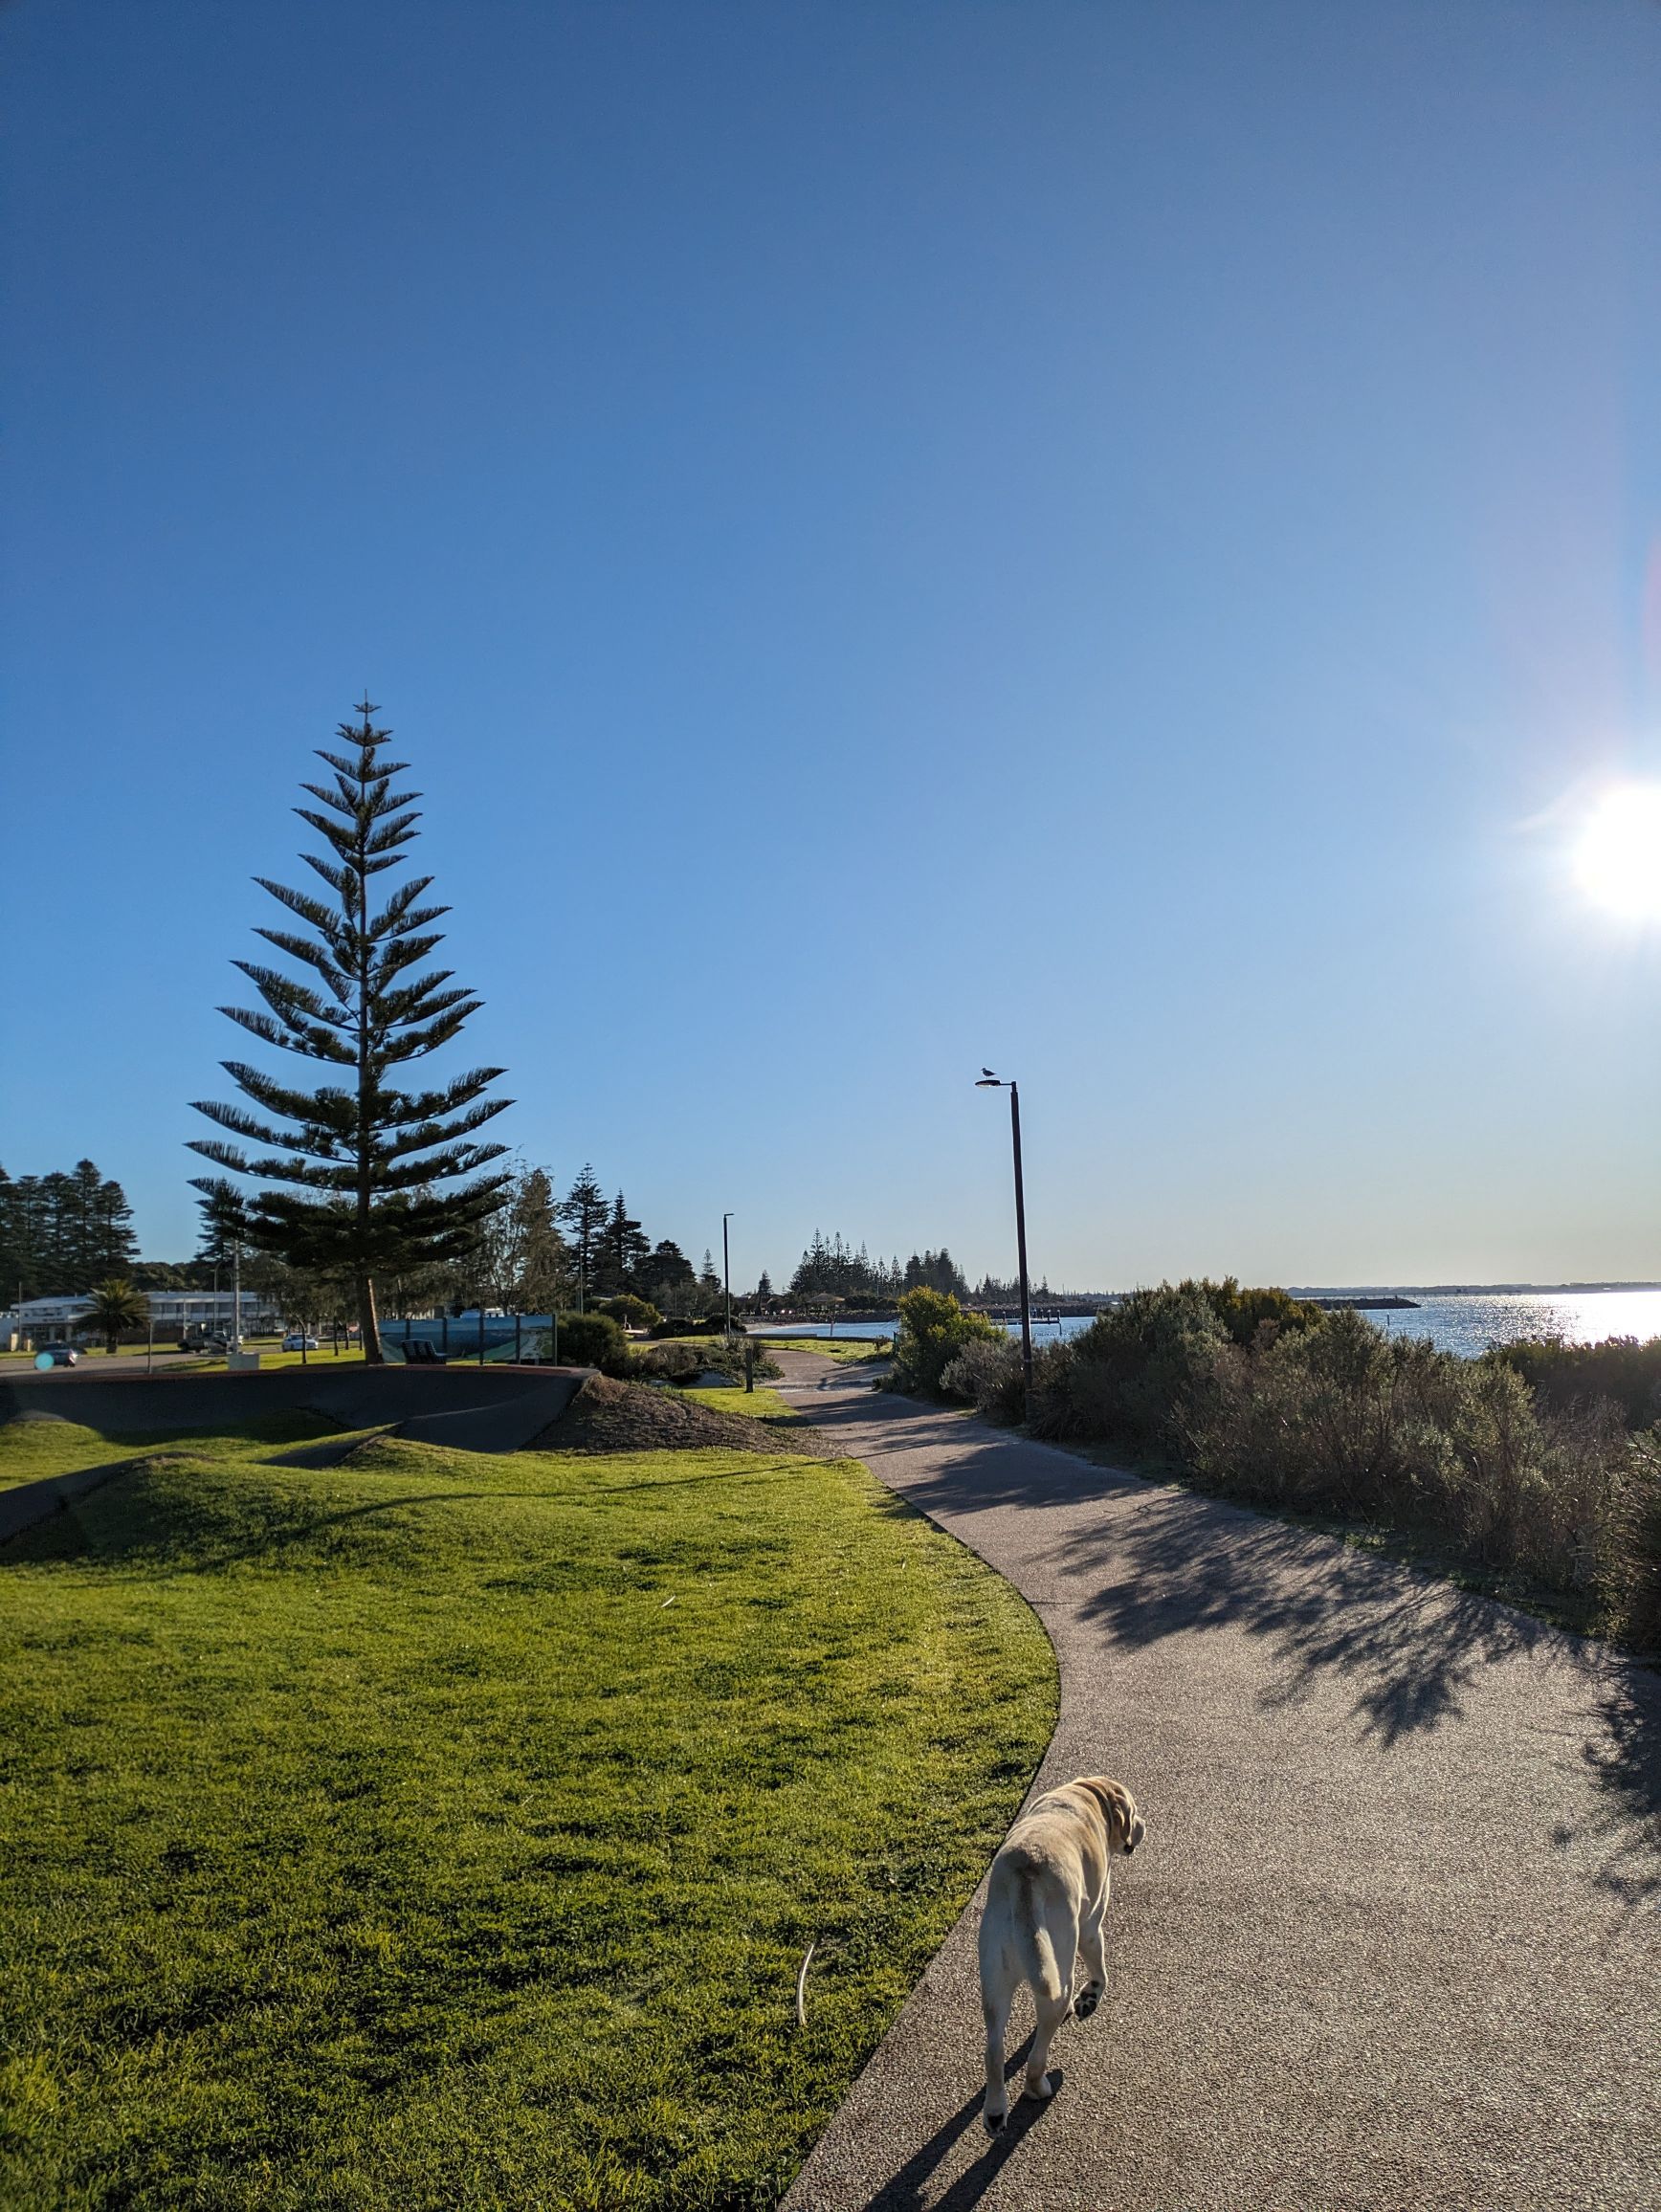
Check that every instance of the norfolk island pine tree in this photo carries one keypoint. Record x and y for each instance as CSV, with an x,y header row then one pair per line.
x,y
361,1162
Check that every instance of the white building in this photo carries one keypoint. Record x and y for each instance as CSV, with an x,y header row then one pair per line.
x,y
41,1321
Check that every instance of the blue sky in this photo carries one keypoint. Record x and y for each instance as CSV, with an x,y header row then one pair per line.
x,y
1104,541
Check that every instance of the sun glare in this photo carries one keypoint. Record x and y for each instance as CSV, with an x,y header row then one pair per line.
x,y
1618,856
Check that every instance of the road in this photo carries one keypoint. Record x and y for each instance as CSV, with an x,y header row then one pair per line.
x,y
1394,1939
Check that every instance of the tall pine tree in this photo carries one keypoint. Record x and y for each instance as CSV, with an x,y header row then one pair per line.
x,y
582,1210
621,1249
358,1160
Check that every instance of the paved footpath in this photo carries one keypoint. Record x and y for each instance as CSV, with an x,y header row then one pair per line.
x,y
1394,1939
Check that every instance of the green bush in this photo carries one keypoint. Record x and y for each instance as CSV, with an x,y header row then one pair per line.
x,y
1323,1414
630,1312
592,1341
1244,1312
1137,1376
933,1329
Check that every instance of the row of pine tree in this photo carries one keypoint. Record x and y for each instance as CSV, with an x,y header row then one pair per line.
x,y
60,1233
836,1271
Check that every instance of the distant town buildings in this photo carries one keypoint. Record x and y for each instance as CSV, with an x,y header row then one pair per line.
x,y
61,1320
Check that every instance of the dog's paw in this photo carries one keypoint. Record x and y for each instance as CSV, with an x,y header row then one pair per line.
x,y
1087,2000
1044,2087
993,2123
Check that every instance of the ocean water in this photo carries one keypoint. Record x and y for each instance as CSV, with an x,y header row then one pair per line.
x,y
1469,1322
1465,1322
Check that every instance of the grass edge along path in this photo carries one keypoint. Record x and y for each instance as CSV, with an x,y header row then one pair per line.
x,y
440,1831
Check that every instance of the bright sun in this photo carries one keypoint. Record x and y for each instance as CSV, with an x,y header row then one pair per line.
x,y
1618,856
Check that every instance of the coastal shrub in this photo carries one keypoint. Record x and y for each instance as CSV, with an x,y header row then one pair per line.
x,y
1244,1312
933,1330
678,1362
1323,1413
1562,1376
1139,1376
1342,1419
986,1372
1634,1578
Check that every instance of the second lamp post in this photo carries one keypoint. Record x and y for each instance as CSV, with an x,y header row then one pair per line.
x,y
988,1081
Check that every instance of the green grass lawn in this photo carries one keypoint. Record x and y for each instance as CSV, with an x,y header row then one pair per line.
x,y
846,1351
446,1831
758,1405
269,1357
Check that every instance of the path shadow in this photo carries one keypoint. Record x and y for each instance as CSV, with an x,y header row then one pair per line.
x,y
1625,1759
1179,1562
907,2190
1411,1647
1165,1562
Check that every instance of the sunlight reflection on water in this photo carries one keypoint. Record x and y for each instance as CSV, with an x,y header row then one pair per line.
x,y
1466,1322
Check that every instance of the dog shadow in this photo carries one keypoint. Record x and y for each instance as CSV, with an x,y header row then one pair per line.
x,y
906,2190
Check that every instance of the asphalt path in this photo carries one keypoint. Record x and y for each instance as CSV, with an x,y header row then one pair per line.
x,y
1394,1939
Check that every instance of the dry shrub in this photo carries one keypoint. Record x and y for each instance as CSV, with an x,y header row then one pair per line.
x,y
1634,1573
988,1373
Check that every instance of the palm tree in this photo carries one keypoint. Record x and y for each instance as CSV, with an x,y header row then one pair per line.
x,y
116,1306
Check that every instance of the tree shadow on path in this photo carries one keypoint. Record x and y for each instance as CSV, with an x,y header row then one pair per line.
x,y
1160,1560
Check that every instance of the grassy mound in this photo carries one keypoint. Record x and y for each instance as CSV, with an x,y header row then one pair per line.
x,y
441,1830
610,1417
34,1447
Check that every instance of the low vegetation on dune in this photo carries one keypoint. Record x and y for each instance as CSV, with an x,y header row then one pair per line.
x,y
436,1830
610,1416
1535,1471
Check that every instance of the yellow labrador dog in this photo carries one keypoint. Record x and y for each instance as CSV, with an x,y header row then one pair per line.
x,y
1044,1903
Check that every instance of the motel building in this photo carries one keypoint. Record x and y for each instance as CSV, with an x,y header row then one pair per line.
x,y
40,1322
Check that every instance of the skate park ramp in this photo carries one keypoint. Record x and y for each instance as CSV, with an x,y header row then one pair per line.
x,y
465,1408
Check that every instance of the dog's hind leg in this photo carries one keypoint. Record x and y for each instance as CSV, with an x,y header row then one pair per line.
x,y
1058,1949
1095,1957
1052,2012
997,1991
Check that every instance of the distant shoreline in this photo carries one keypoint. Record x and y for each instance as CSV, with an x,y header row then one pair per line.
x,y
1462,1290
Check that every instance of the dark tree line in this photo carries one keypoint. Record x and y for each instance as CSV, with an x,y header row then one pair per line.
x,y
613,1258
61,1233
836,1271
992,1291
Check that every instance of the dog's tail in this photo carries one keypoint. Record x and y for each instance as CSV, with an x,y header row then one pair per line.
x,y
1032,1941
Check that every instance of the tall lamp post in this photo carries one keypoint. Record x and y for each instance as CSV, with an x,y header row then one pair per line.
x,y
727,1273
988,1081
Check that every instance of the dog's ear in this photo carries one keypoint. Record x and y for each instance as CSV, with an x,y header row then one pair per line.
x,y
1118,1811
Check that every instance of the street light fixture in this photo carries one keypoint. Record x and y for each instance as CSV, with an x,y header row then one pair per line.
x,y
988,1081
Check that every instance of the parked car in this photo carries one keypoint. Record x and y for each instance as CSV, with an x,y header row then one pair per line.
x,y
299,1344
